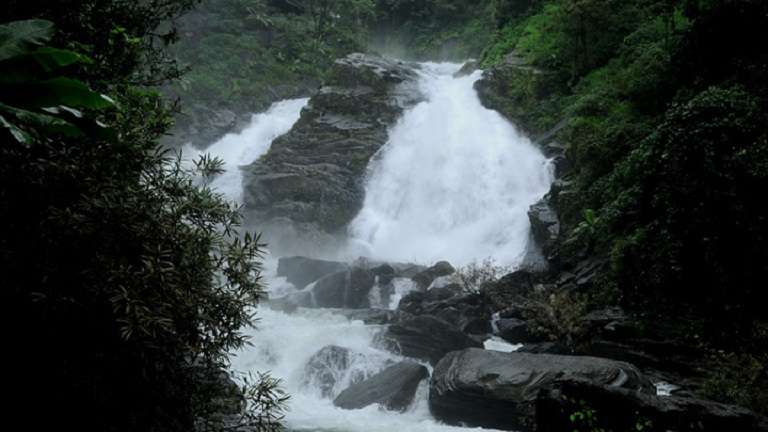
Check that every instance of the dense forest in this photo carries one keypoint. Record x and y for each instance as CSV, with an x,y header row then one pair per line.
x,y
128,281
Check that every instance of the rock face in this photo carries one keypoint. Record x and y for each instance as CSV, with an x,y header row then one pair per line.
x,y
310,183
426,338
301,271
514,88
545,225
501,390
394,388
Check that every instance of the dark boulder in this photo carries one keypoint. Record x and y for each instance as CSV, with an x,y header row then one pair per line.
x,y
622,409
425,278
545,225
514,331
385,273
425,338
345,289
501,390
467,313
301,271
393,388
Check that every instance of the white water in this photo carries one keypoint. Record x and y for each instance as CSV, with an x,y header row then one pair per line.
x,y
454,182
284,344
247,146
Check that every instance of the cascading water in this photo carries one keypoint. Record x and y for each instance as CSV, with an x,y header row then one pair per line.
x,y
454,182
247,146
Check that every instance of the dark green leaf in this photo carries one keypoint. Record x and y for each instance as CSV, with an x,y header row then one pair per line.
x,y
65,91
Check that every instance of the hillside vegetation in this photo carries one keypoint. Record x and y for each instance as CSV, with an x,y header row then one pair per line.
x,y
662,107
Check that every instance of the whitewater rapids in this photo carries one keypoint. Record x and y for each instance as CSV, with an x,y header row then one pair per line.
x,y
454,182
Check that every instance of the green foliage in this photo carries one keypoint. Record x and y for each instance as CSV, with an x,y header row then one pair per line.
x,y
666,105
34,98
127,283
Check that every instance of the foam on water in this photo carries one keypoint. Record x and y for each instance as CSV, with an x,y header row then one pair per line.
x,y
455,181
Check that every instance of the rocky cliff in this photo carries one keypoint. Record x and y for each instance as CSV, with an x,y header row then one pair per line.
x,y
310,184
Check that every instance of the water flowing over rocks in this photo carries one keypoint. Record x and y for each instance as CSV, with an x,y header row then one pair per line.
x,y
326,369
501,390
345,289
393,388
310,184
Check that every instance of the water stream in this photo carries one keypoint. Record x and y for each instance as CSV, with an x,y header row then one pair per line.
x,y
454,182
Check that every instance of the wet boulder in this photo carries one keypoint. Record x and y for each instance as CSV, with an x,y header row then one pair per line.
x,y
501,390
545,225
425,278
345,289
333,368
325,368
394,388
514,331
301,271
425,338
467,313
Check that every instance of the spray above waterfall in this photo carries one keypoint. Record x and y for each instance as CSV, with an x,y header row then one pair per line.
x,y
454,182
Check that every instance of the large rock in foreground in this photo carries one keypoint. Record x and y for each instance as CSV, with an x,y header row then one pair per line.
x,y
426,338
501,390
311,182
393,388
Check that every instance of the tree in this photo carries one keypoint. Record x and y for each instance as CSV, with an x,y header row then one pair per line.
x,y
126,284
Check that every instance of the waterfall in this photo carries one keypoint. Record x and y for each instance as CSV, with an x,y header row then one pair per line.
x,y
247,146
454,182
